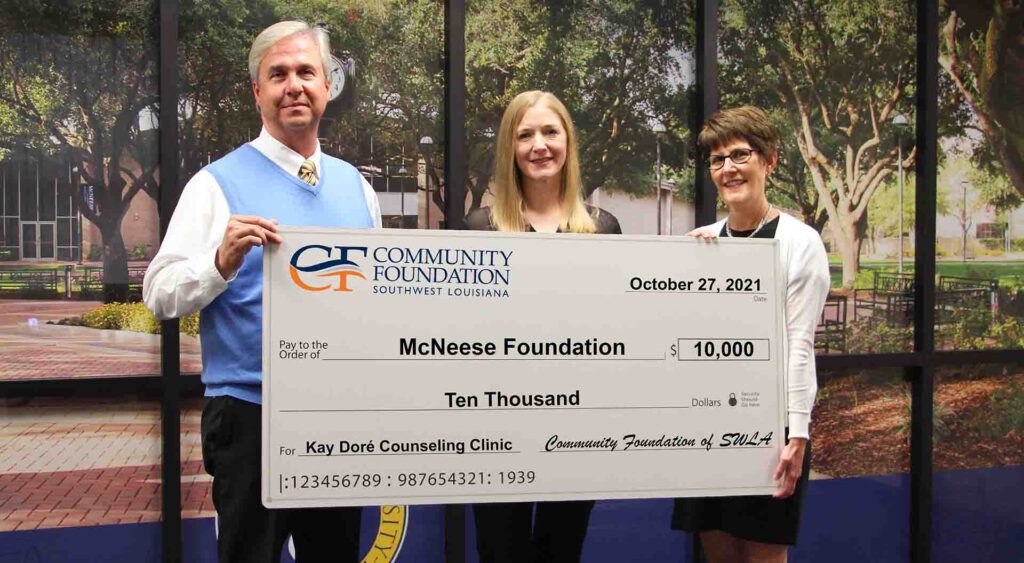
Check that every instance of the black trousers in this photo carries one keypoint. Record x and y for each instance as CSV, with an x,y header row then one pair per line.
x,y
247,531
504,532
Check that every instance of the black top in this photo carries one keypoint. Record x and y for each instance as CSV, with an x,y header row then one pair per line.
x,y
768,231
606,223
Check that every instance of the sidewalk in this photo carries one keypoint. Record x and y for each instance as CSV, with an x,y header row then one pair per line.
x,y
95,462
31,349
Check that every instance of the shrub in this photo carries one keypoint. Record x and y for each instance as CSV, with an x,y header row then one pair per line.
x,y
129,316
139,252
991,243
108,316
189,324
942,414
990,252
1005,412
866,337
1017,244
1008,333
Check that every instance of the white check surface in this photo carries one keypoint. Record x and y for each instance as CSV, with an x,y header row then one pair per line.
x,y
416,392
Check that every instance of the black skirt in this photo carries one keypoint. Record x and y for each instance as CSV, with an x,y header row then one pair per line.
x,y
755,518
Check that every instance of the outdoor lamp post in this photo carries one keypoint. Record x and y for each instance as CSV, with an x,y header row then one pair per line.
x,y
426,147
899,123
402,171
659,130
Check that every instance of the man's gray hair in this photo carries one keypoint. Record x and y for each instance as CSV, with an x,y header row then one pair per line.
x,y
280,30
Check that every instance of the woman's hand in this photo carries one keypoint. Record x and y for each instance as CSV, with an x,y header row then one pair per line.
x,y
703,234
790,467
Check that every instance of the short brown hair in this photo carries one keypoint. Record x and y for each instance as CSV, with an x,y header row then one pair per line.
x,y
748,123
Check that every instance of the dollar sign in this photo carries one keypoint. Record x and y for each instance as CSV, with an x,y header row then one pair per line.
x,y
674,351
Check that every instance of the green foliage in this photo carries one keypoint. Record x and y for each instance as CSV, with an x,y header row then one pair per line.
x,y
139,252
979,51
1005,412
395,99
832,75
1008,333
867,336
991,243
129,316
618,66
76,81
189,324
965,329
942,414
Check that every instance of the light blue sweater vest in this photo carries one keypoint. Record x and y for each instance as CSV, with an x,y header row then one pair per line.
x,y
230,327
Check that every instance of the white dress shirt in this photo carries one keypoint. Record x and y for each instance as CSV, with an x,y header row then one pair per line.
x,y
183,277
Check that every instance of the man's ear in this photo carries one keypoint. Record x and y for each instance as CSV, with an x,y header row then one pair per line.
x,y
256,95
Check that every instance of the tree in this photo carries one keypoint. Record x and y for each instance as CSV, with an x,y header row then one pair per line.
x,y
397,47
74,82
618,67
982,52
836,72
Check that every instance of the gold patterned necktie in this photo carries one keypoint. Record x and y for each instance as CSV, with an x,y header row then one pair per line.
x,y
307,172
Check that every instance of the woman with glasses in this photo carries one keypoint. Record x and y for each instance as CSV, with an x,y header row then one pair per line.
x,y
536,187
742,149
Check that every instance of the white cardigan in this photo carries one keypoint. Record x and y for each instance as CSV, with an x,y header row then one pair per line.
x,y
805,267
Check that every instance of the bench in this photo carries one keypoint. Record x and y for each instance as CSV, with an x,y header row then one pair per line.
x,y
955,294
830,334
891,296
29,283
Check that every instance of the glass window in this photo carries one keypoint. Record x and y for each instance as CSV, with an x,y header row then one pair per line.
x,y
861,462
386,119
840,94
10,187
48,178
624,70
27,184
978,458
979,235
83,461
62,104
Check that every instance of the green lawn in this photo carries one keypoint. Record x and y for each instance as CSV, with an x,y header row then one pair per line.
x,y
1009,273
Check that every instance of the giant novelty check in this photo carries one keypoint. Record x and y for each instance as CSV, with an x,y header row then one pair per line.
x,y
412,367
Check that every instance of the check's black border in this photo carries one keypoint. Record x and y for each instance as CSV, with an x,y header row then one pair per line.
x,y
918,366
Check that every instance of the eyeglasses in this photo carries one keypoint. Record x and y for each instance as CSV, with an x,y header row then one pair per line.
x,y
738,156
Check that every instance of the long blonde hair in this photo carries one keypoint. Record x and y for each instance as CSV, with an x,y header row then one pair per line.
x,y
507,209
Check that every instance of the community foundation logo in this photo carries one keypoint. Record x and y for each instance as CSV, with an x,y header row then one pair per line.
x,y
393,270
313,266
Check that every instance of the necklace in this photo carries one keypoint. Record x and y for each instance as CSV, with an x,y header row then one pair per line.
x,y
760,224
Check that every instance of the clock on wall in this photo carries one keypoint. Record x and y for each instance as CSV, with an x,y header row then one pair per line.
x,y
336,77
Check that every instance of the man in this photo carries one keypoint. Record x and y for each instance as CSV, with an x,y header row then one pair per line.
x,y
211,261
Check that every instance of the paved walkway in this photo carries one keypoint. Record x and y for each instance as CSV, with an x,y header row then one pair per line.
x,y
84,463
32,349
70,462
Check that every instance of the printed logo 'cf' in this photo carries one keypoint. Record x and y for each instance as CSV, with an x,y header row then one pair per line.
x,y
340,268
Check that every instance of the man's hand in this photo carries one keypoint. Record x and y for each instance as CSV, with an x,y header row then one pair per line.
x,y
791,466
242,233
